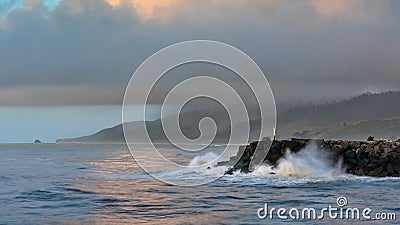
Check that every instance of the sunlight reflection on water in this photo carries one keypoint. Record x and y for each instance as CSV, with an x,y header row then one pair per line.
x,y
72,184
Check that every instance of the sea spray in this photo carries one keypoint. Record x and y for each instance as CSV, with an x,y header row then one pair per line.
x,y
203,159
310,161
212,170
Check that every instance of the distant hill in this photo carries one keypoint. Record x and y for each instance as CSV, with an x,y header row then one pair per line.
x,y
115,134
387,128
108,135
356,118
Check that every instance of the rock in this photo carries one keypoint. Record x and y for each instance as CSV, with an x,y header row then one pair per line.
x,y
394,157
352,145
359,172
362,163
396,168
300,141
383,160
338,149
389,168
369,149
376,149
386,150
376,172
229,172
290,145
374,163
37,141
274,156
351,157
245,157
383,174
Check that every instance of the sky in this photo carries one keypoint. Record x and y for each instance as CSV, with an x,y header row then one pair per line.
x,y
65,56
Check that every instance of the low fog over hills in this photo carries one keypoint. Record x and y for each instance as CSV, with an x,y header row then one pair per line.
x,y
356,118
377,115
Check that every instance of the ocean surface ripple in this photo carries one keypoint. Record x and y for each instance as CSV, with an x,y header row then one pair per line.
x,y
102,184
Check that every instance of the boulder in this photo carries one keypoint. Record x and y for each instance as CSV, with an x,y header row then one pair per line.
x,y
351,157
338,149
389,168
376,172
363,162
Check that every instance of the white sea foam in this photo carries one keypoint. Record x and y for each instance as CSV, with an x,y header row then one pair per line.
x,y
203,159
311,161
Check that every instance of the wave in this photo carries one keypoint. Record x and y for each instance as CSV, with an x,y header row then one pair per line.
x,y
310,161
203,159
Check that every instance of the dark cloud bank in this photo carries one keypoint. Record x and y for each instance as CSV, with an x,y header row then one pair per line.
x,y
85,52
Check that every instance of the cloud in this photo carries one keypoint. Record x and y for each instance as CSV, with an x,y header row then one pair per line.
x,y
339,8
303,46
328,8
59,96
146,9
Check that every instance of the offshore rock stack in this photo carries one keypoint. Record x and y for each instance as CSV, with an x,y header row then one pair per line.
x,y
363,158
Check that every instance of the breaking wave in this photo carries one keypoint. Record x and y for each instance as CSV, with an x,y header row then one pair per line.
x,y
311,161
203,159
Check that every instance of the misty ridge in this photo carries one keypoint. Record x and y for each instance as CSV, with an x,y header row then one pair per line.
x,y
355,118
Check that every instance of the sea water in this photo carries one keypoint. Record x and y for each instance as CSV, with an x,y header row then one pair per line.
x,y
102,184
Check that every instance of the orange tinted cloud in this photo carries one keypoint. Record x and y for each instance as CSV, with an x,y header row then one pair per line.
x,y
329,8
333,8
167,11
145,8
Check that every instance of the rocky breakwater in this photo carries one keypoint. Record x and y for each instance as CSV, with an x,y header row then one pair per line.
x,y
363,158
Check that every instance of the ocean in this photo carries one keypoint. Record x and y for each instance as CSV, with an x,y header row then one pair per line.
x,y
102,184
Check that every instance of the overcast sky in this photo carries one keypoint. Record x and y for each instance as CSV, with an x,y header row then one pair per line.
x,y
70,52
83,52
